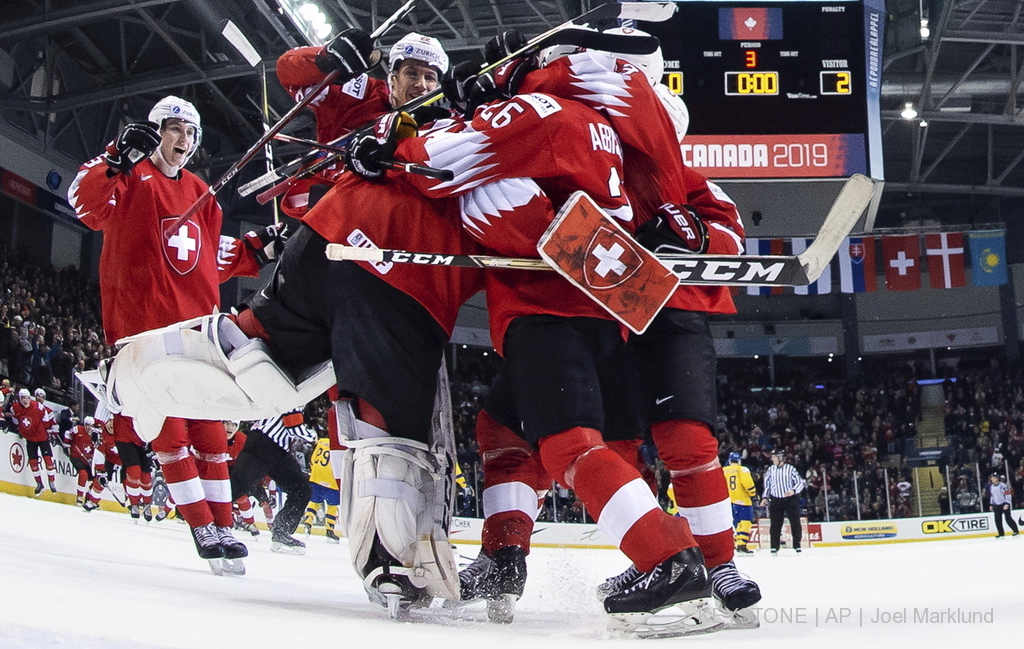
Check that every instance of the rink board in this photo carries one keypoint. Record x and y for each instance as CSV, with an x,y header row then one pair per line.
x,y
16,478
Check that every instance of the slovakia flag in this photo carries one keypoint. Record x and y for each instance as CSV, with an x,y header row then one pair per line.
x,y
857,265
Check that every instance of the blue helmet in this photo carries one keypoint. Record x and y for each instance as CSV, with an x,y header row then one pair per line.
x,y
734,458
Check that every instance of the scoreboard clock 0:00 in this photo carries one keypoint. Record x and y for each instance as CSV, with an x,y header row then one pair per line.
x,y
782,89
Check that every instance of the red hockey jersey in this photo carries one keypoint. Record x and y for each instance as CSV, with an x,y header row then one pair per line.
x,y
148,281
338,108
515,163
35,421
80,444
654,170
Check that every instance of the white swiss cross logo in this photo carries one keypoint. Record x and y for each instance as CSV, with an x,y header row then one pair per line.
x,y
182,248
609,260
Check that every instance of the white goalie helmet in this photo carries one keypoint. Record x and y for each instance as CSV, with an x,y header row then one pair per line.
x,y
652,65
421,48
177,108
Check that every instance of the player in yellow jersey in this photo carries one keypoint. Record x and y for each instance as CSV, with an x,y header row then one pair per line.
x,y
742,494
324,489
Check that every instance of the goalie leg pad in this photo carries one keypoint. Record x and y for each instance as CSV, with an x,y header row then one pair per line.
x,y
204,368
395,488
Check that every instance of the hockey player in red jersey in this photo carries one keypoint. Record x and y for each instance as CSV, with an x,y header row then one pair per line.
x,y
133,192
105,462
416,64
81,446
678,348
35,423
553,338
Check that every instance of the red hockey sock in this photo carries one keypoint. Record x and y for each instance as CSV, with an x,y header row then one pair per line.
x,y
629,450
507,528
690,452
615,494
146,483
186,489
131,484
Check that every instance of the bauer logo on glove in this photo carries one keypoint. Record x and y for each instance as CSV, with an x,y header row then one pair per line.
x,y
674,229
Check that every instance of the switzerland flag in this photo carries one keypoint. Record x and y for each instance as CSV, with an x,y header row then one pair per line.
x,y
945,259
901,256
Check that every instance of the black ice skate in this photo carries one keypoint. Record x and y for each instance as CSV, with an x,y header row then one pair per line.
x,y
499,579
133,511
332,537
617,583
147,512
286,544
736,596
682,582
387,582
90,505
39,489
233,548
207,541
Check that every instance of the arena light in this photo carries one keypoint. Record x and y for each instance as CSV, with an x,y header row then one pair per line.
x,y
909,112
925,32
310,19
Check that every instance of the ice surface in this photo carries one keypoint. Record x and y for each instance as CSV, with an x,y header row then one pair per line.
x,y
96,580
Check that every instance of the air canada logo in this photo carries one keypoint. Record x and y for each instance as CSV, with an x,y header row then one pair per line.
x,y
182,248
611,259
17,457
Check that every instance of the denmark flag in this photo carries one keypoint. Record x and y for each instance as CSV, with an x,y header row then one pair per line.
x,y
901,255
945,259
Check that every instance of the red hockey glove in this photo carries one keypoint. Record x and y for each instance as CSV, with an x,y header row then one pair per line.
x,y
365,153
674,228
267,243
351,53
499,84
136,141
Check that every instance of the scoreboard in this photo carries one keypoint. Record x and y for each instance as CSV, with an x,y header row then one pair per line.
x,y
783,89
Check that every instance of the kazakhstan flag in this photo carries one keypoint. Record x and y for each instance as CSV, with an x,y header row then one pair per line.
x,y
988,258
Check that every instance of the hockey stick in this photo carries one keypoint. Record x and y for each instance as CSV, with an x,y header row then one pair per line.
x,y
706,270
269,133
563,34
408,167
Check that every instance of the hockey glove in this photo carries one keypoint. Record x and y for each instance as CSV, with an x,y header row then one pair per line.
x,y
674,229
267,243
456,84
504,45
367,154
351,53
501,83
136,141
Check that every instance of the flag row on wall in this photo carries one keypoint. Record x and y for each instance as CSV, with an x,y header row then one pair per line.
x,y
901,259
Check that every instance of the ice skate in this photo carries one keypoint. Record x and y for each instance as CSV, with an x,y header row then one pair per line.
x,y
147,512
679,583
90,505
332,537
133,511
287,544
617,583
736,596
499,579
207,541
53,486
249,527
391,588
39,489
233,548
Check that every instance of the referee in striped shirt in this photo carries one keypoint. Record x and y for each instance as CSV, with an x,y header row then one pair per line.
x,y
781,485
